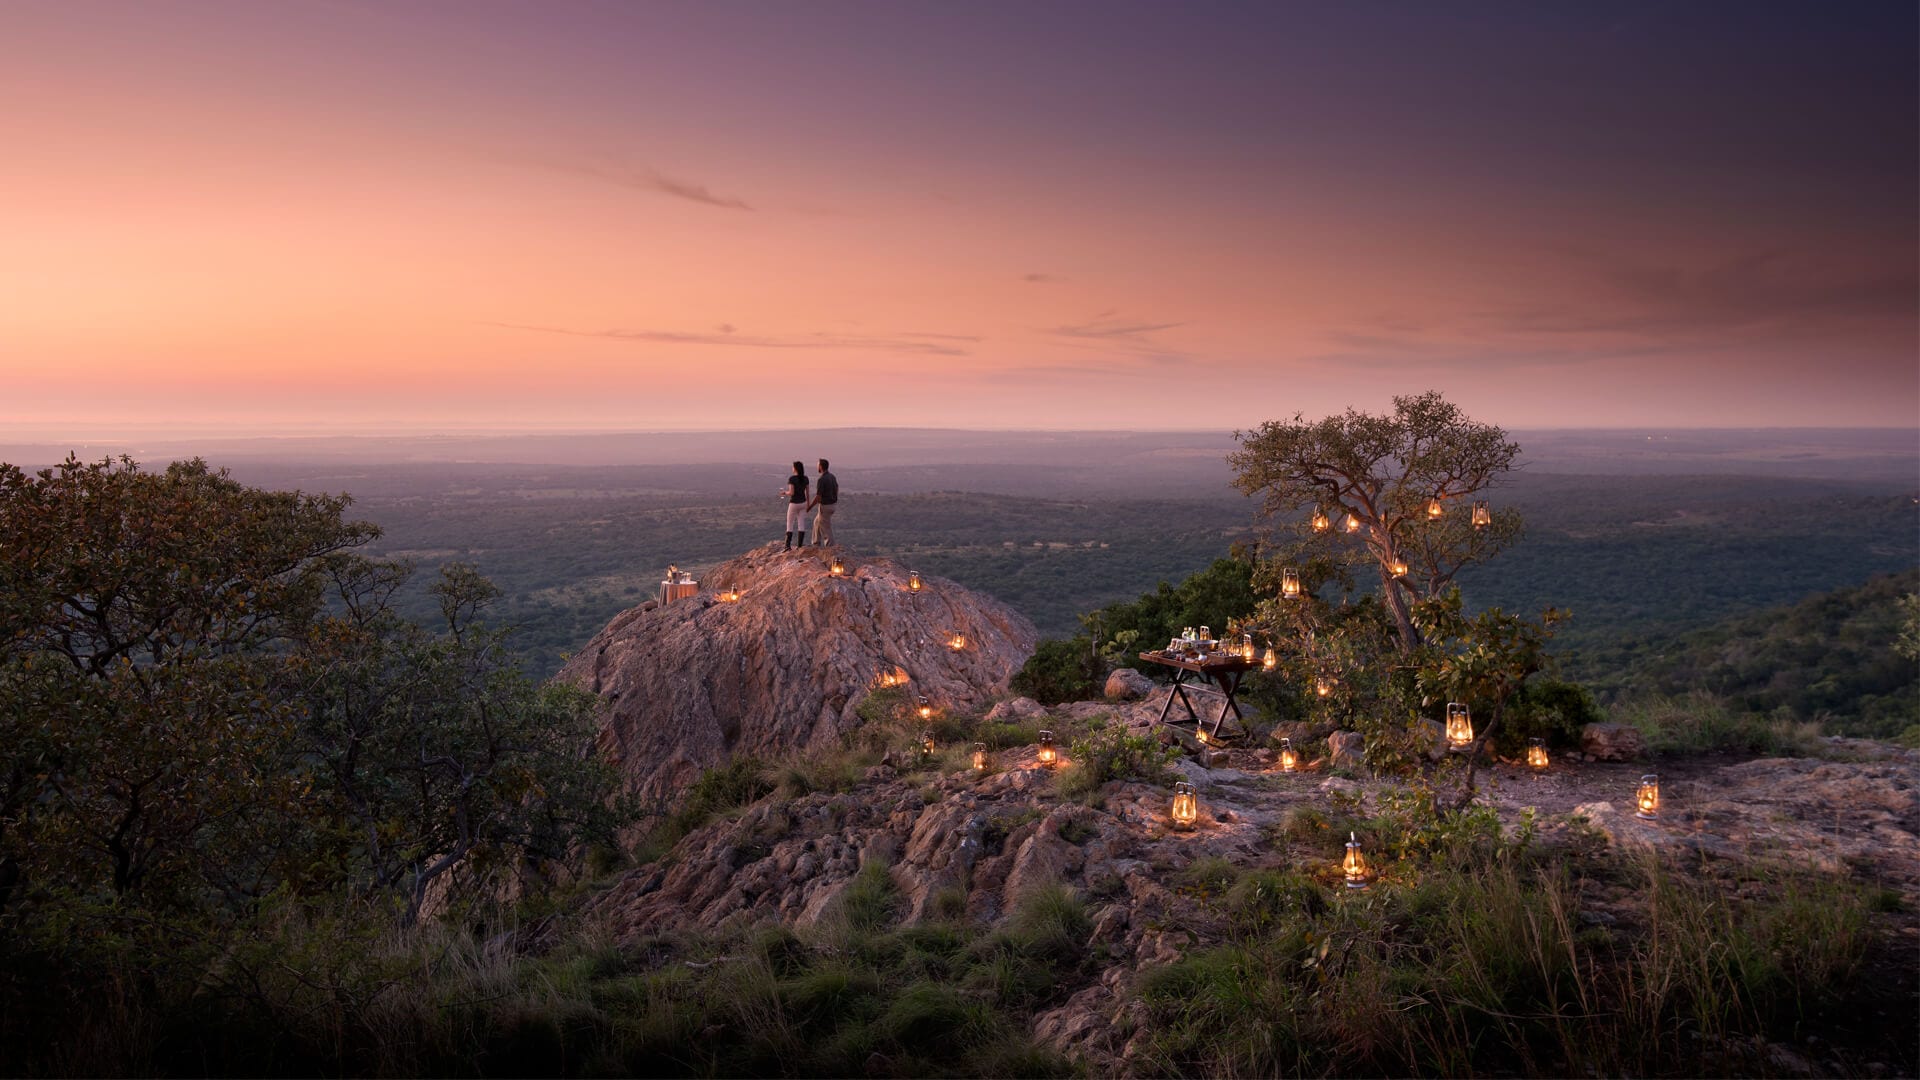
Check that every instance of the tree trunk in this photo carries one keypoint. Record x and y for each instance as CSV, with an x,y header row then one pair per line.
x,y
1402,617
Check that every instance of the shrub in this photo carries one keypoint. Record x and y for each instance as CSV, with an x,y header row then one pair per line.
x,y
1700,722
1060,670
1109,753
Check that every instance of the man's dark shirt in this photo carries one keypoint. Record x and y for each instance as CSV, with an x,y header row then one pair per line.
x,y
829,489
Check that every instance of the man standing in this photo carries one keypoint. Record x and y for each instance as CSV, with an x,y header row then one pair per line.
x,y
826,493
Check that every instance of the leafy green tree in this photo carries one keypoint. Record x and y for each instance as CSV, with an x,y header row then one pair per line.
x,y
1370,482
1483,662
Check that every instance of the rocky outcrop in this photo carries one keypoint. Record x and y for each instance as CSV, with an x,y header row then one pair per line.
x,y
786,665
1612,742
1125,684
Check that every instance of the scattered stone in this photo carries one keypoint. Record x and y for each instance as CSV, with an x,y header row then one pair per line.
x,y
1126,684
1020,708
1347,749
1612,742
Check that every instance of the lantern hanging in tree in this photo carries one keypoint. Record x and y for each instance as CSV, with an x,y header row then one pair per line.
x,y
979,757
1352,524
1354,866
1537,754
1323,684
1434,509
1186,806
1646,801
1289,760
1398,567
913,581
1048,755
1320,521
1271,660
1290,583
1482,517
925,709
1459,726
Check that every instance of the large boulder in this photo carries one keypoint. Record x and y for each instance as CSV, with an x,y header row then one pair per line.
x,y
785,667
1612,742
1347,749
1125,684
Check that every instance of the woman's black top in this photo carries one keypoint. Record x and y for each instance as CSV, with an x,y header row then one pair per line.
x,y
799,483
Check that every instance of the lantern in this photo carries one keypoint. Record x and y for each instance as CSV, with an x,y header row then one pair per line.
x,y
1323,685
730,596
1048,755
927,745
1289,759
1482,516
838,568
1186,806
1352,524
1434,509
1320,521
1354,866
1399,568
913,581
979,757
1537,753
957,642
1290,583
924,708
1271,660
1459,725
1646,801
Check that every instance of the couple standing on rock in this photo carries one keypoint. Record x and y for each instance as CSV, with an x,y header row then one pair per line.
x,y
825,496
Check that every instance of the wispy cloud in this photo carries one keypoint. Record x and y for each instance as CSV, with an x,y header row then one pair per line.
x,y
644,178
1042,279
1107,326
728,335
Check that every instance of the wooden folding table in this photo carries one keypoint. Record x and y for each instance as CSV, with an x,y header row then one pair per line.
x,y
1224,670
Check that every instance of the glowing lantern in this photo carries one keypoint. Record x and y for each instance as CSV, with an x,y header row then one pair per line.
x,y
1271,660
1289,759
1537,753
1459,725
924,708
838,568
1646,801
1434,509
979,757
913,581
1482,516
1320,521
730,596
1186,806
927,745
1323,685
1398,567
1352,524
1246,647
1290,583
1048,755
957,642
1354,866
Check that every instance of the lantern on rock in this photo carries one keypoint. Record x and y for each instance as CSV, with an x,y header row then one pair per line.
x,y
1047,755
913,581
1459,726
1186,806
1434,509
838,567
1482,517
1321,523
1289,758
1354,866
979,757
1537,754
927,745
730,596
1290,583
924,708
1646,801
957,642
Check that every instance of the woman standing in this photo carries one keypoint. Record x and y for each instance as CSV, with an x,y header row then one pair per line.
x,y
797,506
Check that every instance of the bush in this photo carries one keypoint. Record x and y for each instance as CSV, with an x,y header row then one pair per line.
x,y
1060,670
1701,722
1109,753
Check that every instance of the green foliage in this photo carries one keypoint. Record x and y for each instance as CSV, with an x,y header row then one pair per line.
x,y
1700,722
1107,752
1060,671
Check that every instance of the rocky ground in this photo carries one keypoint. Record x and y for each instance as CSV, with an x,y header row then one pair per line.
x,y
954,837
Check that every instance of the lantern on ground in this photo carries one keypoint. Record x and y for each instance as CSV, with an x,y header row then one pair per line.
x,y
1354,866
730,596
1289,758
1459,726
1482,517
913,581
927,745
1047,755
924,708
1398,567
1321,523
957,642
1537,754
1646,801
1434,509
1271,660
838,567
979,757
1352,524
1290,583
1186,806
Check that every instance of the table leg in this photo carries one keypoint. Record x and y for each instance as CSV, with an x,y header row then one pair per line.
x,y
1229,687
1178,675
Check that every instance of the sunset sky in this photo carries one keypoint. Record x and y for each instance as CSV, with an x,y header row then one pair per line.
x,y
264,217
